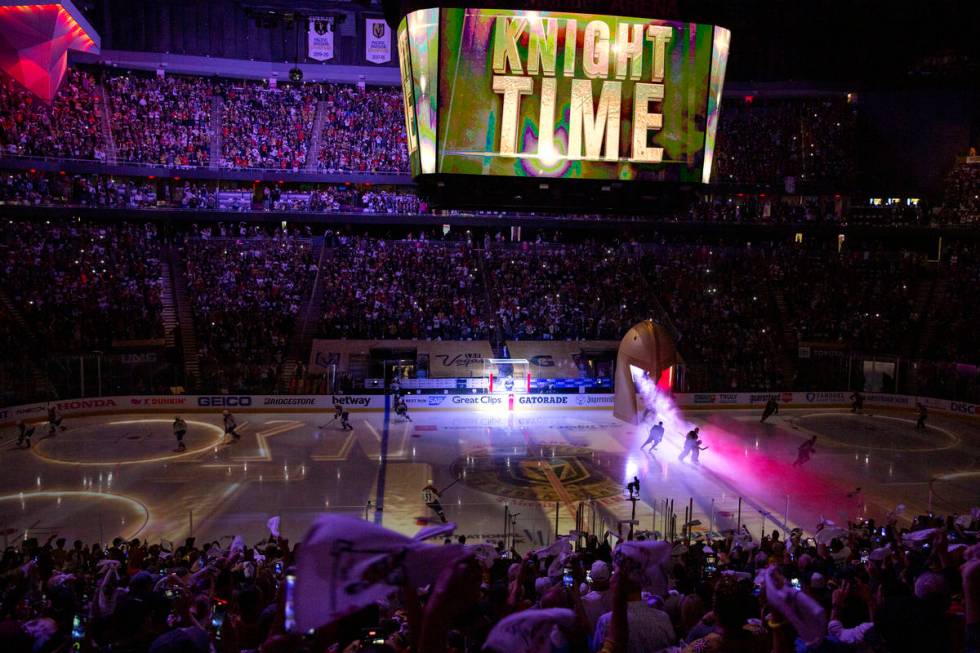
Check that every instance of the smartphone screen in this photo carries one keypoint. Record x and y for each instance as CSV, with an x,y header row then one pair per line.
x,y
218,617
567,578
290,612
795,582
77,629
278,567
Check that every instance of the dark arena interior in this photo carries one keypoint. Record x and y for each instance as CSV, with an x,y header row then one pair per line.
x,y
543,326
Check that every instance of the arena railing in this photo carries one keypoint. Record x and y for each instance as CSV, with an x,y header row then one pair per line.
x,y
145,169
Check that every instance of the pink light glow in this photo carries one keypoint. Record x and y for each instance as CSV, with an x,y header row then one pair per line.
x,y
754,473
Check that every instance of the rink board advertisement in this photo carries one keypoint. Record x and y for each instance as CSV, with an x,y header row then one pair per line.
x,y
181,404
564,95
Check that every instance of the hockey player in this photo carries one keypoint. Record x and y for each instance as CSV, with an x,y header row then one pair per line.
x,y
920,424
691,443
230,426
345,421
696,452
772,408
431,496
656,436
54,421
857,402
180,430
806,450
401,409
24,434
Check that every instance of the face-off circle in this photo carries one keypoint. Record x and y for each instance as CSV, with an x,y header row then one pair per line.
x,y
124,441
877,432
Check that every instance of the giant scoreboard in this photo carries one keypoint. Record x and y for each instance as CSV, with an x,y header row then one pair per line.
x,y
564,95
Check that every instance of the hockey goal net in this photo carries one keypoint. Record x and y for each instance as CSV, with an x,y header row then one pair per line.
x,y
507,375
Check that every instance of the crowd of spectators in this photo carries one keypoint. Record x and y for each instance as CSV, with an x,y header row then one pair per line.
x,y
550,291
906,587
69,128
265,127
740,310
704,287
961,204
766,141
413,288
246,290
162,121
956,338
82,286
862,299
363,130
167,121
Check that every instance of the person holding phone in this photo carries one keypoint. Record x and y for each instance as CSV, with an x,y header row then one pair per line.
x,y
598,601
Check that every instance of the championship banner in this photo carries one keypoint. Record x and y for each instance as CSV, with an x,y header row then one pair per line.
x,y
320,38
377,41
559,94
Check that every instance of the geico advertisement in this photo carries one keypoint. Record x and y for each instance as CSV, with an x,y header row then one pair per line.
x,y
552,94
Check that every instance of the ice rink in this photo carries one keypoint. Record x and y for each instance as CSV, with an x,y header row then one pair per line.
x,y
119,475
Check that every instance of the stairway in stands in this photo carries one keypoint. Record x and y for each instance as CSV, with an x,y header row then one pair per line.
x,y
169,313
185,337
111,154
785,335
217,115
497,336
306,322
313,151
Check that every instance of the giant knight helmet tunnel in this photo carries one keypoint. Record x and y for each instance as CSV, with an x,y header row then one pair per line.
x,y
646,351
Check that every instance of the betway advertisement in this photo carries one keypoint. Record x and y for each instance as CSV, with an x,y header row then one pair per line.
x,y
556,94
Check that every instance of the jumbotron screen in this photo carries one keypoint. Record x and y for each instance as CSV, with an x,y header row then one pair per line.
x,y
553,94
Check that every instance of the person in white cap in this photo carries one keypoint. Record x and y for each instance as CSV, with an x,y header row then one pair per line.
x,y
230,425
598,601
